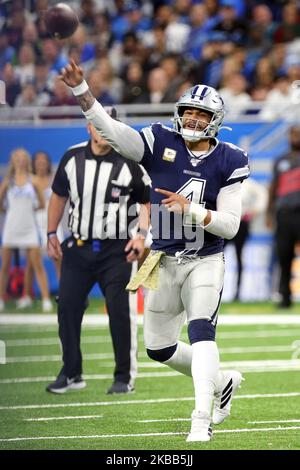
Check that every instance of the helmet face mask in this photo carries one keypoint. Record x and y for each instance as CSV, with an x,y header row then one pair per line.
x,y
203,98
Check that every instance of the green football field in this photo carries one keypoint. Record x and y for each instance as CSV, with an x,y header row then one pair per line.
x,y
265,411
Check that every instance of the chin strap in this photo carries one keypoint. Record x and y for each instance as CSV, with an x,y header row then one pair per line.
x,y
227,128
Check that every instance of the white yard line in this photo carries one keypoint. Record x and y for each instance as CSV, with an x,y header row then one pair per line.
x,y
55,358
55,341
62,418
275,421
93,356
166,420
171,420
107,339
243,366
153,434
139,402
258,334
101,319
141,375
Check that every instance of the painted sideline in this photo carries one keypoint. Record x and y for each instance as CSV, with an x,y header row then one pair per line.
x,y
102,319
140,402
153,434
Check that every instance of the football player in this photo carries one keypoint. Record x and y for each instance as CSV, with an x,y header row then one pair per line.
x,y
195,179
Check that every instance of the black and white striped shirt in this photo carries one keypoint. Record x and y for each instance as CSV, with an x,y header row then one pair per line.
x,y
104,192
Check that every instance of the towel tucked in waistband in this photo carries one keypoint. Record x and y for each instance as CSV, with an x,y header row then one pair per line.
x,y
147,275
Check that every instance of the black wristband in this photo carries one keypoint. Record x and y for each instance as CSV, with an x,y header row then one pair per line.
x,y
49,234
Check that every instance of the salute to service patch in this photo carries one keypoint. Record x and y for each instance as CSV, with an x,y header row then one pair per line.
x,y
169,155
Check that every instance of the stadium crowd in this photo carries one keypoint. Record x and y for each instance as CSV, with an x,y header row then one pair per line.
x,y
149,52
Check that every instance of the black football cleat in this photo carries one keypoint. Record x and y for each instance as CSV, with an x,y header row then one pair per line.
x,y
62,384
120,387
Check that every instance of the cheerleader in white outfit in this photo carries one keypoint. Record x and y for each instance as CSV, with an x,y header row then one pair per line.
x,y
42,169
19,193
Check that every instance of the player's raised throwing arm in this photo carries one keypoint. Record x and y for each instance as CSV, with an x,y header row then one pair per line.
x,y
121,137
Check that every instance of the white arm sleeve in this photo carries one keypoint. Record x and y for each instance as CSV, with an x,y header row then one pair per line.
x,y
225,221
122,138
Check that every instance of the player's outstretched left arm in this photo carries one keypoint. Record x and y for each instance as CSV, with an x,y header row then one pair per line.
x,y
122,138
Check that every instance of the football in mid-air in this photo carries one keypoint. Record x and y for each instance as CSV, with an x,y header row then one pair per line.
x,y
61,21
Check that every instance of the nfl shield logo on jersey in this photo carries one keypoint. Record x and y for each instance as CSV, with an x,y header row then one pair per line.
x,y
169,155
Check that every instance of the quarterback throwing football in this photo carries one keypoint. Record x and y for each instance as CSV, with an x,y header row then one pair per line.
x,y
195,179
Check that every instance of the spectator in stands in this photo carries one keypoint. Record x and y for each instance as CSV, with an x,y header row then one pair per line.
x,y
30,36
41,27
258,95
293,67
102,33
231,64
13,27
132,19
198,31
277,57
257,47
113,84
264,73
278,100
209,68
289,29
7,52
262,18
25,67
177,34
182,9
284,211
213,13
98,87
235,95
134,83
87,14
208,39
84,46
12,84
61,95
54,58
156,48
174,69
41,77
234,28
20,196
123,53
30,97
157,87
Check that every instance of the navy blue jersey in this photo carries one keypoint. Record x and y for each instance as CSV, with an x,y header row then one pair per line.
x,y
170,166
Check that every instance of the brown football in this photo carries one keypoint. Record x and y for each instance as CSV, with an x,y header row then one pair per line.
x,y
61,21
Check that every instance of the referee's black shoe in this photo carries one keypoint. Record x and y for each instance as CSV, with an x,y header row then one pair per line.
x,y
120,387
62,384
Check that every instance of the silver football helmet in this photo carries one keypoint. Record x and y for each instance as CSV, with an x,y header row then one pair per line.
x,y
200,97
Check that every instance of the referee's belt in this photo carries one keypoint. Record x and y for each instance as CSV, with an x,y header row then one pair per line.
x,y
95,242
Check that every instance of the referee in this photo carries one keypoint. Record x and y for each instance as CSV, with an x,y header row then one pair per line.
x,y
104,190
284,207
